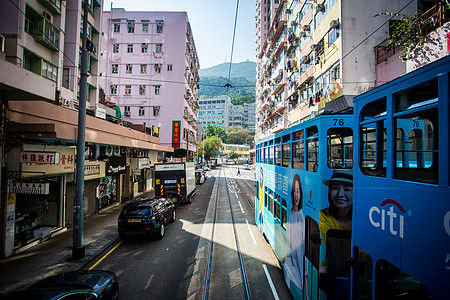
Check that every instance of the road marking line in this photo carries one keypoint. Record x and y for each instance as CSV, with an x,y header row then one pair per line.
x,y
241,206
274,291
236,194
104,256
251,233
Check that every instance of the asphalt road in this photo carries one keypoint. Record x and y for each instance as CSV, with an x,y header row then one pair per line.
x,y
175,267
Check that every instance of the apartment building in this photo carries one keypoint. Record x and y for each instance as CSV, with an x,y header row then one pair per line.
x,y
39,91
221,112
149,69
315,52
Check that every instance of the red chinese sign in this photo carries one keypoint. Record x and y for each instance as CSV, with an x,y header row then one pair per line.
x,y
176,128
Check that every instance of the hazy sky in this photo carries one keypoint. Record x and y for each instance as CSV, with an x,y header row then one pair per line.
x,y
212,23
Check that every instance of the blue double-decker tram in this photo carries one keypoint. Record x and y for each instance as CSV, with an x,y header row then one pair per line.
x,y
357,206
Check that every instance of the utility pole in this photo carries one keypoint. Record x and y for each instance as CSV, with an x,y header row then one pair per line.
x,y
78,249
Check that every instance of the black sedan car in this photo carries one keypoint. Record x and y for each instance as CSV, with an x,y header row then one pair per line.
x,y
146,216
82,284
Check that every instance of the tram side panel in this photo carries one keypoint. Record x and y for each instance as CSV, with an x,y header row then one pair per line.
x,y
289,201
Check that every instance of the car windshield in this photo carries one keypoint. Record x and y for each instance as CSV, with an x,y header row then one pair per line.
x,y
136,211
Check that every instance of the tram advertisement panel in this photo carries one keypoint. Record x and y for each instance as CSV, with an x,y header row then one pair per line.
x,y
307,218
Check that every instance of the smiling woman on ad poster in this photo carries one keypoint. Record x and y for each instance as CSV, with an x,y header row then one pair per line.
x,y
295,238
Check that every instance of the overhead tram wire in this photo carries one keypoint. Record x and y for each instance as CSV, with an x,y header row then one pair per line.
x,y
228,85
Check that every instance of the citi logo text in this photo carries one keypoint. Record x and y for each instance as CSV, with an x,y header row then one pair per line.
x,y
395,222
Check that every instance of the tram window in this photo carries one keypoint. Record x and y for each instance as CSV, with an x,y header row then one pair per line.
x,y
277,208
287,155
312,140
298,135
374,109
393,283
298,155
263,155
283,214
416,147
362,275
266,198
418,96
373,149
298,150
278,155
286,138
270,201
270,155
340,148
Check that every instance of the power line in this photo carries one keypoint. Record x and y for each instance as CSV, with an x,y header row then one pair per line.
x,y
228,85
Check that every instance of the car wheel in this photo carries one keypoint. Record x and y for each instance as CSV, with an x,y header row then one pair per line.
x,y
174,216
161,231
121,235
189,200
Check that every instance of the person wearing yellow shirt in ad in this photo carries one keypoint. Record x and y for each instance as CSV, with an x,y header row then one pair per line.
x,y
335,223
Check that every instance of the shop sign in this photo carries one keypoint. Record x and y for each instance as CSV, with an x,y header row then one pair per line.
x,y
65,164
30,188
141,163
94,169
116,165
100,113
176,127
39,157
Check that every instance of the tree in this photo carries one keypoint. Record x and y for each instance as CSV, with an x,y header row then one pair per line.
x,y
239,136
232,155
211,146
214,130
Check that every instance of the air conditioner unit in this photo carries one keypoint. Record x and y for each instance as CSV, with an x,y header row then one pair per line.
x,y
126,113
306,28
314,47
320,7
334,24
116,150
109,150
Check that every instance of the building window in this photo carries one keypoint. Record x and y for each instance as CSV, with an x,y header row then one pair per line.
x,y
158,68
131,27
333,36
157,89
128,90
115,68
144,48
129,68
142,90
130,48
116,27
156,110
141,111
169,67
113,89
115,48
158,48
159,26
127,109
143,69
144,27
49,71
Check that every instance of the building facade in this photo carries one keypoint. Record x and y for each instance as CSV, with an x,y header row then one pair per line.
x,y
315,52
39,95
221,112
149,69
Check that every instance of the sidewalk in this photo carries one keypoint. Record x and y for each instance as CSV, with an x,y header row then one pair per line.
x,y
55,255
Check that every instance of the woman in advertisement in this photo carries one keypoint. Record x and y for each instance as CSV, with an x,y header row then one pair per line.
x,y
261,201
295,238
335,224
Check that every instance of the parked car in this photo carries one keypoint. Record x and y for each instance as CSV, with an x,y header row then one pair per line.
x,y
200,177
147,216
82,284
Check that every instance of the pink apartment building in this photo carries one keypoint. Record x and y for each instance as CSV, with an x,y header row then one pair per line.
x,y
149,69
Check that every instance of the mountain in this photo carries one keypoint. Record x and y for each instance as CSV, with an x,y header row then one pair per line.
x,y
213,82
245,69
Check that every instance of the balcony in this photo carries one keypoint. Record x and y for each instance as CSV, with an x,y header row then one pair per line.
x,y
52,5
47,34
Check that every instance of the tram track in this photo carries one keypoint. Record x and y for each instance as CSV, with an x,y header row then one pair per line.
x,y
221,262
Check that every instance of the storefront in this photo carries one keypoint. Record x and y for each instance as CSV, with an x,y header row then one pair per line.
x,y
36,196
141,174
115,167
